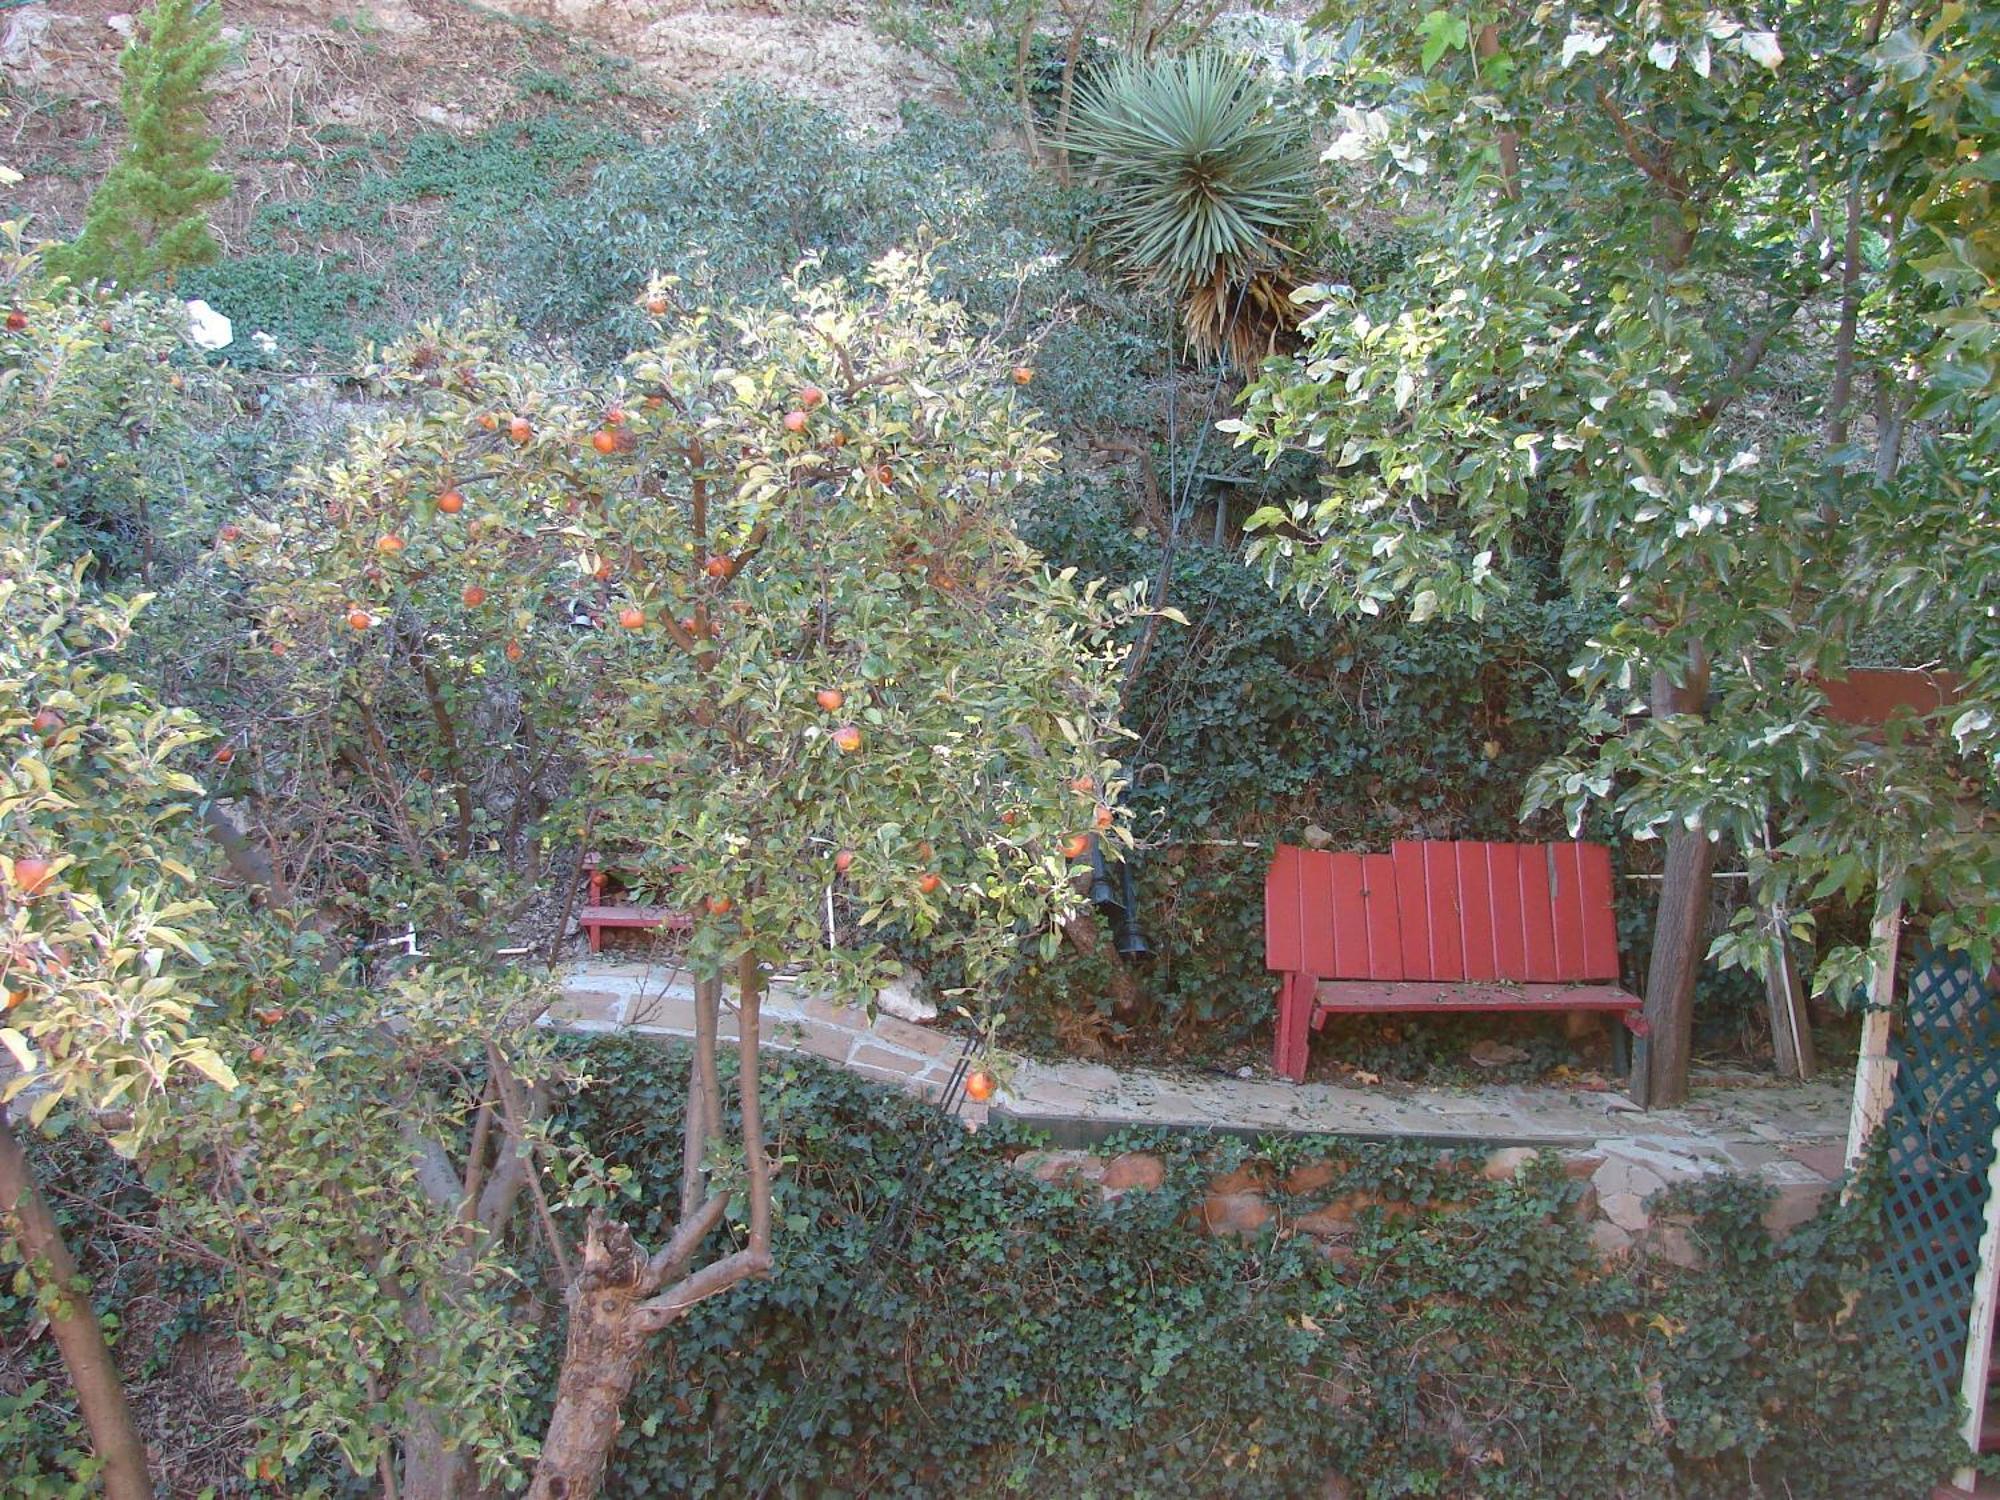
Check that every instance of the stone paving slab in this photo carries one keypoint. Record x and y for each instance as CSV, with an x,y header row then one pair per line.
x,y
1790,1135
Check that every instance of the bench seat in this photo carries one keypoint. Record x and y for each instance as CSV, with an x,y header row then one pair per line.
x,y
1437,925
595,919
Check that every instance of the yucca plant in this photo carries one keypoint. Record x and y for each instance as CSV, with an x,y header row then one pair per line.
x,y
1203,182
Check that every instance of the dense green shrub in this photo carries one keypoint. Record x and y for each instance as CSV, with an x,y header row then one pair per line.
x,y
311,309
1020,1338
733,197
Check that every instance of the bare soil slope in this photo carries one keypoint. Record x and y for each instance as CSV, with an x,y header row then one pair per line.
x,y
385,66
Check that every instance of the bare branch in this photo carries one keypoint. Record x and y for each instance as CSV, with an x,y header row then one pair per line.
x,y
671,1259
750,998
435,1174
475,1158
519,1164
719,1276
704,1114
454,763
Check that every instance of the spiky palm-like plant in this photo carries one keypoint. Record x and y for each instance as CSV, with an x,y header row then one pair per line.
x,y
1203,182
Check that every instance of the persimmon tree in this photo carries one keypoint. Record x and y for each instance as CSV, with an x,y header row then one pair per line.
x,y
1701,323
756,609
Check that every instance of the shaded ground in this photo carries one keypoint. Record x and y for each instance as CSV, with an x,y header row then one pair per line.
x,y
1784,1133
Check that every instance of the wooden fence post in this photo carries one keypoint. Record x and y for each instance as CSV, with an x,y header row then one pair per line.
x,y
1873,1069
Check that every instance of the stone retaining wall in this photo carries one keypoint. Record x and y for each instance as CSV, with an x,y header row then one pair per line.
x,y
1627,1159
1615,1202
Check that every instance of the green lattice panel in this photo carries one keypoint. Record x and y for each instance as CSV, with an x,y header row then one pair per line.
x,y
1939,1142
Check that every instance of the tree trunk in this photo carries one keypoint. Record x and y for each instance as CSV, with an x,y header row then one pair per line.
x,y
432,1471
64,1297
1023,49
1678,928
607,1340
617,1302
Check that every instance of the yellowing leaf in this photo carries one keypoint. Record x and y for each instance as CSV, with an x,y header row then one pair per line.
x,y
210,1066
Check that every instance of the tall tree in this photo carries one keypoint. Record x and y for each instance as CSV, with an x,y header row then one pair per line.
x,y
149,217
771,571
1652,231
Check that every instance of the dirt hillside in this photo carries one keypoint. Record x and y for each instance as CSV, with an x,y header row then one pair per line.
x,y
384,66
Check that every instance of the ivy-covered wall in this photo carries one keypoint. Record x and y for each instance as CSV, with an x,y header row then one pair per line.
x,y
942,1321
1011,1336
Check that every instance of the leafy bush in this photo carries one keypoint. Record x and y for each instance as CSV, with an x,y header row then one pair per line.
x,y
110,427
1019,1338
723,202
311,308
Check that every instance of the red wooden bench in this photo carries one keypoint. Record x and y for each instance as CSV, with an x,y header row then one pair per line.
x,y
600,913
1439,926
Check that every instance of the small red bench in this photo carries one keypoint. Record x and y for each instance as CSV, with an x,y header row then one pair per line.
x,y
1440,926
600,914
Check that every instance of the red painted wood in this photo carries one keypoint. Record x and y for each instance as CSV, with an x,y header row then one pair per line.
x,y
1350,919
633,916
1447,924
1413,909
1385,929
1510,943
1284,950
1600,918
1875,695
1475,911
1292,1045
1538,931
1566,910
1344,995
1316,915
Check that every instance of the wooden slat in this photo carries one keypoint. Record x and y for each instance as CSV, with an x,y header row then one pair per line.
x,y
1566,911
1283,949
1316,915
1510,943
1600,916
1350,919
1413,909
632,916
1441,882
1475,910
1538,933
1385,932
1371,995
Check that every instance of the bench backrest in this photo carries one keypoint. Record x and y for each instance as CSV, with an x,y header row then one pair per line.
x,y
1537,913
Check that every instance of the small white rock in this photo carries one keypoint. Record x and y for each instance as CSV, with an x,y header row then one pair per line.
x,y
903,998
207,328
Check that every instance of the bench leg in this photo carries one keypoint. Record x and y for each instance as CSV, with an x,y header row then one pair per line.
x,y
1294,1030
1621,1050
596,936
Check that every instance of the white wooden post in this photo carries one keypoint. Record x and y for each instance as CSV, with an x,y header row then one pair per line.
x,y
1979,1332
1873,1070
